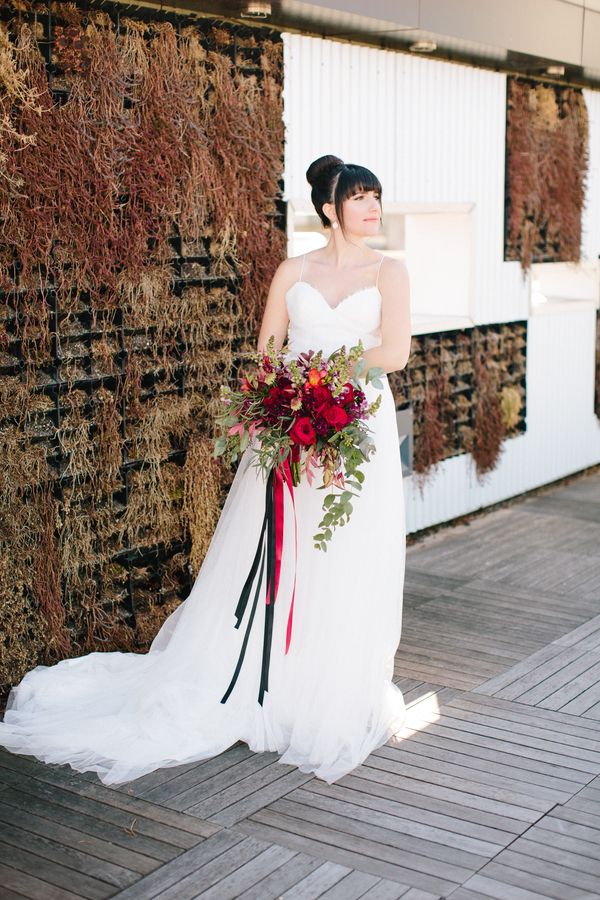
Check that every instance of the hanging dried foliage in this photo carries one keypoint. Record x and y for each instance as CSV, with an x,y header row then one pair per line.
x,y
431,439
247,176
489,430
547,159
510,404
140,225
455,402
206,479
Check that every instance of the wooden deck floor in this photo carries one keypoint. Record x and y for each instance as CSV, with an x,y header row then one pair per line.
x,y
492,790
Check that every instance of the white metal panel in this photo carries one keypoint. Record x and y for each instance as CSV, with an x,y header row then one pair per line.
x,y
434,131
563,434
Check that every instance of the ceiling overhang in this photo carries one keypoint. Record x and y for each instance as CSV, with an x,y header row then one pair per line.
x,y
516,36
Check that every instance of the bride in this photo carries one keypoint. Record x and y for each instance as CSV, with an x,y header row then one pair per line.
x,y
331,699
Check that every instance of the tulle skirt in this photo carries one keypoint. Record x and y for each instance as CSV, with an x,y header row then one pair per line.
x,y
331,699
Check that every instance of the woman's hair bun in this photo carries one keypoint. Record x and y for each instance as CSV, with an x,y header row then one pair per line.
x,y
324,165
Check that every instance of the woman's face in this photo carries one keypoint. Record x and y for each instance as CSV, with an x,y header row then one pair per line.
x,y
362,213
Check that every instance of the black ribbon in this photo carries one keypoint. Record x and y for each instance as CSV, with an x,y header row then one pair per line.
x,y
265,551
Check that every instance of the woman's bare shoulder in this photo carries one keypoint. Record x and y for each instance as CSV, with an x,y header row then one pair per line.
x,y
287,272
393,271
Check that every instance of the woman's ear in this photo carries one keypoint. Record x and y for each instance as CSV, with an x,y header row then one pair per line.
x,y
329,210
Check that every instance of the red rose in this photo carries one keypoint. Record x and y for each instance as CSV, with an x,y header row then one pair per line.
x,y
302,432
336,416
321,395
273,398
347,394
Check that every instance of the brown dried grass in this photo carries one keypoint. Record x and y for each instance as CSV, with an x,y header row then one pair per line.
x,y
489,429
205,478
547,161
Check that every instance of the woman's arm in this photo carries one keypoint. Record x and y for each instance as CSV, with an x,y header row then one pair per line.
x,y
393,352
275,316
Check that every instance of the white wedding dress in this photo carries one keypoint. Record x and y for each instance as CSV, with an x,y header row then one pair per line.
x,y
330,699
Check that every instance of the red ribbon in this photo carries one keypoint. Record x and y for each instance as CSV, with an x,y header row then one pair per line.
x,y
278,496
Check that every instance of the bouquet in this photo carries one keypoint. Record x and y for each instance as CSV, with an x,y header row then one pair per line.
x,y
303,415
309,412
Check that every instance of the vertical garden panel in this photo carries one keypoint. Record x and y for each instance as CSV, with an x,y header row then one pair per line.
x,y
141,221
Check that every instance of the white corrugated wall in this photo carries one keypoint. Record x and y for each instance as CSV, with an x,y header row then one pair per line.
x,y
434,132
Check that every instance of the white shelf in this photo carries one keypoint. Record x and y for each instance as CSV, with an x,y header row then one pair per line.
x,y
422,324
560,305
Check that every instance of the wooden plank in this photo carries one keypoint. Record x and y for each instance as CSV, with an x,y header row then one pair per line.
x,y
241,799
123,835
182,866
577,816
64,778
224,780
581,762
530,671
386,890
430,746
38,827
463,893
357,855
7,894
585,636
314,885
584,704
533,872
558,856
479,796
73,856
398,818
379,831
53,873
529,736
350,887
425,799
438,674
562,682
278,882
557,723
33,888
163,784
581,833
229,874
585,805
418,894
514,790
491,887
415,811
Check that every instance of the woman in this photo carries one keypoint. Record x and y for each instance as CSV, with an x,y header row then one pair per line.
x,y
330,699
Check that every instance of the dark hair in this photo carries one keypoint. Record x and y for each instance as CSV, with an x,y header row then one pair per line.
x,y
333,181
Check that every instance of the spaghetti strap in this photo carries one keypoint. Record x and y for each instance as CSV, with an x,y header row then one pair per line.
x,y
379,269
302,267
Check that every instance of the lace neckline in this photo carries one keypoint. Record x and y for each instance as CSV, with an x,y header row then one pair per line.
x,y
370,287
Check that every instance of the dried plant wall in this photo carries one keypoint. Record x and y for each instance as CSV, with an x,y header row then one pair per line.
x,y
547,159
467,392
141,222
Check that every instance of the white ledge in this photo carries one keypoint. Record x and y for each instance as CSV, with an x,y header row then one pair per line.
x,y
425,324
560,305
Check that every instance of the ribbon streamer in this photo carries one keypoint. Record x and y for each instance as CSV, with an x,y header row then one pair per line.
x,y
269,550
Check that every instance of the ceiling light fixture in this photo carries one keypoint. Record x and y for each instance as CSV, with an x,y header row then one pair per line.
x,y
256,9
423,46
555,70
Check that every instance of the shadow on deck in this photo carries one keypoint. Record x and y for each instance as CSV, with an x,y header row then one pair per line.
x,y
491,790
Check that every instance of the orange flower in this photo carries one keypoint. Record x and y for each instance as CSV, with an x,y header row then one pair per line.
x,y
314,377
